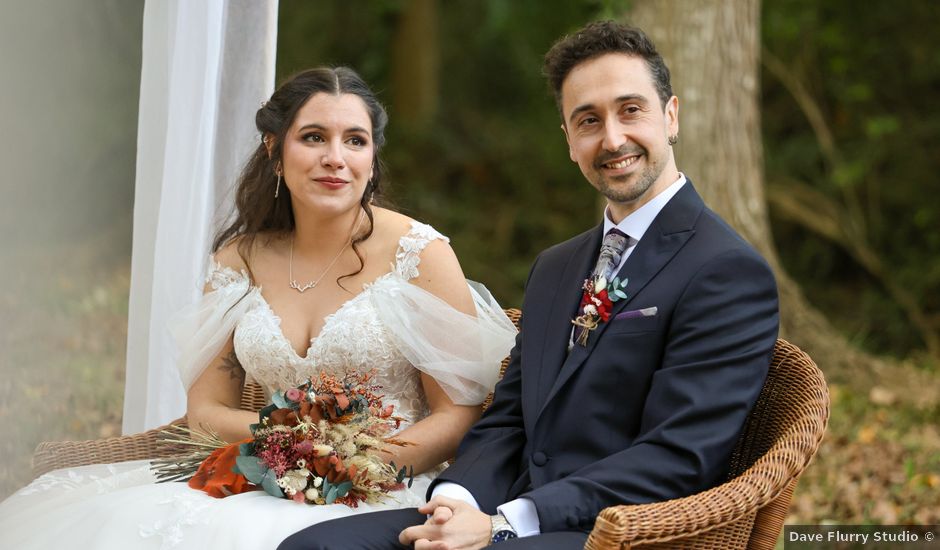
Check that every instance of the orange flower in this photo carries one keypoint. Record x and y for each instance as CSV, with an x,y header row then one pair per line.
x,y
337,473
312,410
284,417
215,475
332,468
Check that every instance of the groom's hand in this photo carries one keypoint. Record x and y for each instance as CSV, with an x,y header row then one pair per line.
x,y
452,525
439,516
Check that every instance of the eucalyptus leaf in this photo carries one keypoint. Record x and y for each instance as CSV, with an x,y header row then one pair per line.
x,y
251,468
280,400
343,488
331,495
266,412
269,484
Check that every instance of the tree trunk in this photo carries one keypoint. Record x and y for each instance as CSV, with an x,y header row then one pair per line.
x,y
712,48
416,63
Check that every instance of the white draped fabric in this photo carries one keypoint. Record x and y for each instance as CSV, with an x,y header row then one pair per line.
x,y
206,68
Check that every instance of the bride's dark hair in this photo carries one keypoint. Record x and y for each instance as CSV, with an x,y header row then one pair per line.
x,y
257,210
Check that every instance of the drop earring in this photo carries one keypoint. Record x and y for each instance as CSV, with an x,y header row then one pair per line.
x,y
277,189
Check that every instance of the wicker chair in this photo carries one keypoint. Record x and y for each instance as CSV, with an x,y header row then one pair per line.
x,y
779,439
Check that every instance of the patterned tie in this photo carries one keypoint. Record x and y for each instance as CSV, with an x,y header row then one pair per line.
x,y
615,242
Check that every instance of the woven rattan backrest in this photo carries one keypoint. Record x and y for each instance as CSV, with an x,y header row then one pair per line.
x,y
253,398
514,315
787,402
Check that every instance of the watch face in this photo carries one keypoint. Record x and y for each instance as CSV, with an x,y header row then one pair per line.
x,y
500,536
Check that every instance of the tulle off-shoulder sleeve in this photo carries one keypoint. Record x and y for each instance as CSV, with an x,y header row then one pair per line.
x,y
462,352
202,329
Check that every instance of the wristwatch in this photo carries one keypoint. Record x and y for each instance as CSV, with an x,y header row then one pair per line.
x,y
500,529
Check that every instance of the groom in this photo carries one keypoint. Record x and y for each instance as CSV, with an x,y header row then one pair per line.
x,y
605,402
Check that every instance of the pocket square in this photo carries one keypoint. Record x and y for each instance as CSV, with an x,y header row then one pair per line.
x,y
633,314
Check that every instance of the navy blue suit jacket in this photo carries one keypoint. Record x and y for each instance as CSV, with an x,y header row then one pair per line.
x,y
651,407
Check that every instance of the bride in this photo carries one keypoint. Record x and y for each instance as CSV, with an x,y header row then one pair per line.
x,y
312,275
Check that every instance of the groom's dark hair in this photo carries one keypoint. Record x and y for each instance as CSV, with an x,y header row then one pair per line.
x,y
599,38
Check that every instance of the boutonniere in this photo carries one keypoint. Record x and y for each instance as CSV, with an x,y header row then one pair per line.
x,y
596,302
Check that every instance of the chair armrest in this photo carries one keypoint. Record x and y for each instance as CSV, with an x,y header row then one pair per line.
x,y
683,517
727,503
52,455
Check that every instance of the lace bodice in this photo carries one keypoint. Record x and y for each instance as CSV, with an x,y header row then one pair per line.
x,y
354,337
394,326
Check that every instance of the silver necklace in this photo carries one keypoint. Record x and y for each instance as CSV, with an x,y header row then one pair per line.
x,y
313,284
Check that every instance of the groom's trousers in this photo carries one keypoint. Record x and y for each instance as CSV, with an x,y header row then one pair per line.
x,y
379,531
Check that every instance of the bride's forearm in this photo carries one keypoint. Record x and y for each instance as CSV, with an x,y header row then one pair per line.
x,y
230,424
433,440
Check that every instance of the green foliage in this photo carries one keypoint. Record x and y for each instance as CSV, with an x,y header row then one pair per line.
x,y
873,73
281,402
332,492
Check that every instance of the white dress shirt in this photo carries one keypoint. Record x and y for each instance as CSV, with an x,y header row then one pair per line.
x,y
521,512
636,224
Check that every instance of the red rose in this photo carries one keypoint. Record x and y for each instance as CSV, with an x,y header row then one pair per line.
x,y
604,309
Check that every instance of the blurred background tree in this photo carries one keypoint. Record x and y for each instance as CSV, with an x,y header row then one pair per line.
x,y
808,125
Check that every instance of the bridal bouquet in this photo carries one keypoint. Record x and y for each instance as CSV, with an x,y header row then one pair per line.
x,y
318,443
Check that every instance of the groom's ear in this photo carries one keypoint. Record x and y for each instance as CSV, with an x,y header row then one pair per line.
x,y
564,130
671,112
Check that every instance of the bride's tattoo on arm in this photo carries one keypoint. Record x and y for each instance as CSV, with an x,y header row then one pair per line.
x,y
231,365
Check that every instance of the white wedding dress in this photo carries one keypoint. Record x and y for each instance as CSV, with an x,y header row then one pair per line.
x,y
392,326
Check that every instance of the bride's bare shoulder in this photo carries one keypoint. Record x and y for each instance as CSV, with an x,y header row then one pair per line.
x,y
390,224
389,228
438,269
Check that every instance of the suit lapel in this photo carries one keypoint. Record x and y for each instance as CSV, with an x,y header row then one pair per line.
x,y
564,305
670,230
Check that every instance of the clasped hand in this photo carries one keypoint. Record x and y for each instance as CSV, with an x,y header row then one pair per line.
x,y
451,525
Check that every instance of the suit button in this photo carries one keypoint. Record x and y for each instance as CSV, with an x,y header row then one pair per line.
x,y
539,458
572,521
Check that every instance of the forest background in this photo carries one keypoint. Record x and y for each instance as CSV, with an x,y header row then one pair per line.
x,y
839,163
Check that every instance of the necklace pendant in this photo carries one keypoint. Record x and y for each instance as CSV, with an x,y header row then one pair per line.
x,y
304,288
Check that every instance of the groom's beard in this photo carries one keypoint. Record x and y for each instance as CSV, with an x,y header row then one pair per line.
x,y
618,188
